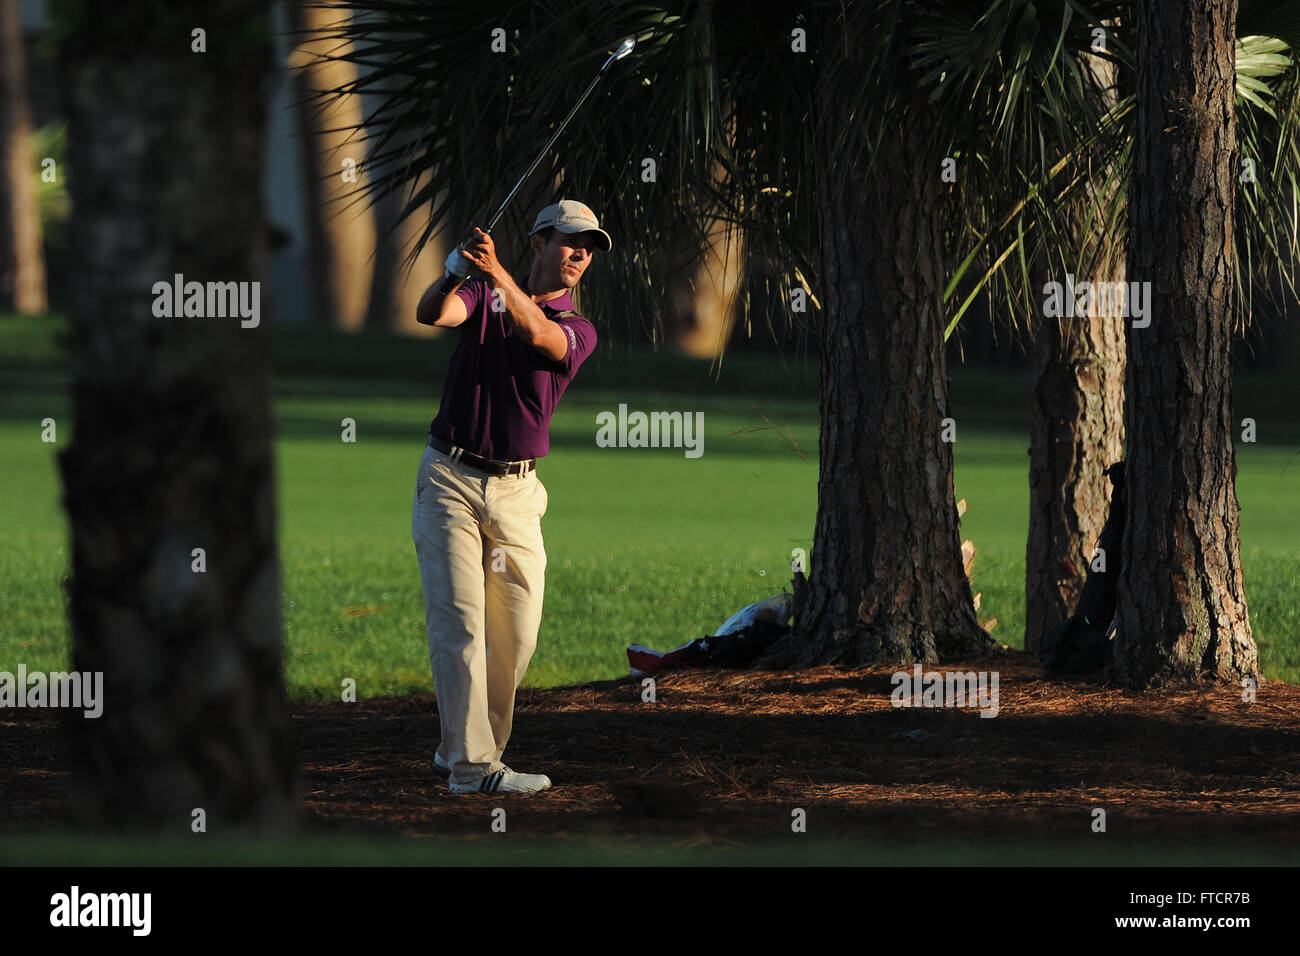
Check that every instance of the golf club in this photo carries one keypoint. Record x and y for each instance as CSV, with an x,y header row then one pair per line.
x,y
450,279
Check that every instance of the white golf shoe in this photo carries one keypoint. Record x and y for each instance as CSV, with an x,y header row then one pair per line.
x,y
505,780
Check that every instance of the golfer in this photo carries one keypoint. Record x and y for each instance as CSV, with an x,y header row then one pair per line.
x,y
479,503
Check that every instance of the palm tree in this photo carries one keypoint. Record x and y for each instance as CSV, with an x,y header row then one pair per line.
x,y
888,578
1038,145
399,282
22,260
171,422
341,236
831,160
730,86
706,302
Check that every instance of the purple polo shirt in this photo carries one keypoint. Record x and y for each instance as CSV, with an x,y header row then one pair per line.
x,y
500,392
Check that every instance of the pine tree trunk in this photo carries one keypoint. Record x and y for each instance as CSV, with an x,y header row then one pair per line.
x,y
172,425
22,257
1076,430
886,579
1181,600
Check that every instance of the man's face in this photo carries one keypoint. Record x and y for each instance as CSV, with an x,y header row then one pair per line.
x,y
564,258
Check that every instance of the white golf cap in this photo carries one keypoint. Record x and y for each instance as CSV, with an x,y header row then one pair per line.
x,y
571,216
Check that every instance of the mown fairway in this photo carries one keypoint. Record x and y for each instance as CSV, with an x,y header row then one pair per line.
x,y
645,545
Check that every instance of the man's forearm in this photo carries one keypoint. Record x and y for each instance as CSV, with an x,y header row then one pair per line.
x,y
429,309
525,315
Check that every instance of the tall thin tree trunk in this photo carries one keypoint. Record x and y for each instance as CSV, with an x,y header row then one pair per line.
x,y
1181,600
341,232
886,579
396,289
711,294
706,299
1076,430
22,258
172,424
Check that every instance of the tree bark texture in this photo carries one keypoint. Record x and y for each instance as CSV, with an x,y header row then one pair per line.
x,y
1076,428
172,426
1076,431
886,580
1181,600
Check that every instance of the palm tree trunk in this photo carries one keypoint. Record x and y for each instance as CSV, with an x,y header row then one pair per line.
x,y
341,234
22,258
172,425
710,295
395,289
1181,600
705,301
886,579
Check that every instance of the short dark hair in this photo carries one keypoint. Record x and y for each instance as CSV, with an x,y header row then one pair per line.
x,y
546,233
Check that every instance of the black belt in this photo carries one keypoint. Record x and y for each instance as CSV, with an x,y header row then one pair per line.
x,y
498,469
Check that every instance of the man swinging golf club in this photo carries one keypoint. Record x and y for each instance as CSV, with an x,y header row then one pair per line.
x,y
478,504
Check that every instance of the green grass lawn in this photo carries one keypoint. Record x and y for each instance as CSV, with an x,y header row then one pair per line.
x,y
644,545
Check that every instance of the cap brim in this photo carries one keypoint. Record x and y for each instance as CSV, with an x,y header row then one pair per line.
x,y
609,243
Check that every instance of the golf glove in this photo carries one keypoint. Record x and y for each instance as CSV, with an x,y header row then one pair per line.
x,y
457,265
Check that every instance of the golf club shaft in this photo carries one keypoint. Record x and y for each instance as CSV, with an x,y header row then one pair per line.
x,y
449,281
549,143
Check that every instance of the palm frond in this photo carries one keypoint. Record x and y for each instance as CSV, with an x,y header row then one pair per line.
x,y
706,120
717,101
1051,160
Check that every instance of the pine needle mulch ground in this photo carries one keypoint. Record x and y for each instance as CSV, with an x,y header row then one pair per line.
x,y
726,757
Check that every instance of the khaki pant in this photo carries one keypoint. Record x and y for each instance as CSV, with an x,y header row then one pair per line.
x,y
483,567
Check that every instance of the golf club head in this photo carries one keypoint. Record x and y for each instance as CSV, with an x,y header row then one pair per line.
x,y
623,50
